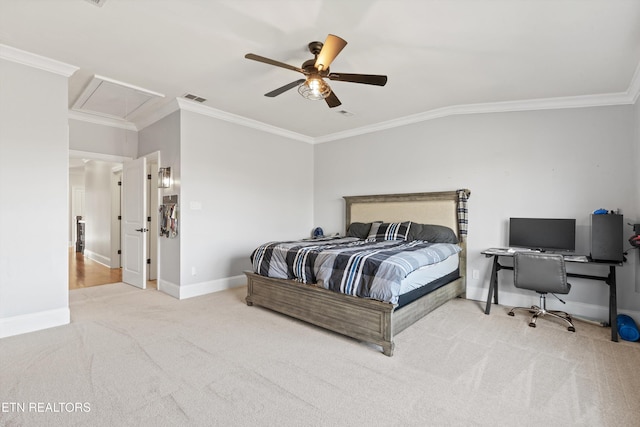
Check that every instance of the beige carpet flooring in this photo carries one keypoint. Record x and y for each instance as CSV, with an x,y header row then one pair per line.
x,y
141,358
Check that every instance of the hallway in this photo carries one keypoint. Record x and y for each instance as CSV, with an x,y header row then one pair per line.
x,y
84,272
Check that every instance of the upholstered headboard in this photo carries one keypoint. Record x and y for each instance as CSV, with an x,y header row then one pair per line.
x,y
440,208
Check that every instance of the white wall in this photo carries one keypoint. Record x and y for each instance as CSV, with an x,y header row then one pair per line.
x,y
553,163
33,189
103,139
239,188
164,136
98,210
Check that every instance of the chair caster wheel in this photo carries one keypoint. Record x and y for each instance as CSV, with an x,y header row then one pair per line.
x,y
571,329
511,313
531,324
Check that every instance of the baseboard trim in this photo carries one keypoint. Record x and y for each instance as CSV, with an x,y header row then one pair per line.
x,y
211,286
202,288
169,288
100,259
32,322
593,312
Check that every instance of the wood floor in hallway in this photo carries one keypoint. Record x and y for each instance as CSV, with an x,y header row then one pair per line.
x,y
84,272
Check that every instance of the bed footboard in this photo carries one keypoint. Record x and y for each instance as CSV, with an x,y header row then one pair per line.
x,y
415,311
359,318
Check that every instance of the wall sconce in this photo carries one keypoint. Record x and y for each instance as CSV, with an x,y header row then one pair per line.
x,y
164,177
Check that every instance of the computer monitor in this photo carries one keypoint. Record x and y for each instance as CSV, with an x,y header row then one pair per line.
x,y
546,234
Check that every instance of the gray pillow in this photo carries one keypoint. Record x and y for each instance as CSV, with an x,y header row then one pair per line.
x,y
432,233
359,230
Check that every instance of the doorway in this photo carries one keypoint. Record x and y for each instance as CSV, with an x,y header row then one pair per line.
x,y
85,272
95,208
95,193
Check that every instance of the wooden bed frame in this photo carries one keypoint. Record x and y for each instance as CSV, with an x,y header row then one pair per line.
x,y
360,318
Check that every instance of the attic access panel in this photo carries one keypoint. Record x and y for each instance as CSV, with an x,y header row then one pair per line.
x,y
111,98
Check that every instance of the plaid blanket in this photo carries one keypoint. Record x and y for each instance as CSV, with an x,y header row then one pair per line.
x,y
349,265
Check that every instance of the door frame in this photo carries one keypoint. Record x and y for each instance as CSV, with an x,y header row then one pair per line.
x,y
154,158
77,154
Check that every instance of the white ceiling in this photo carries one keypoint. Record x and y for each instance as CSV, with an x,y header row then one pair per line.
x,y
441,57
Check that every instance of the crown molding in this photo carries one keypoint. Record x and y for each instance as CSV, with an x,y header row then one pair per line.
x,y
36,61
634,86
43,63
196,107
101,120
494,107
79,154
157,114
584,101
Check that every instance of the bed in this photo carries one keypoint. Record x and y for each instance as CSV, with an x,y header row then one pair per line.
x,y
366,319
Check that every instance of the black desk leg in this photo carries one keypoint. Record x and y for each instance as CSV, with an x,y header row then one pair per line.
x,y
493,285
613,303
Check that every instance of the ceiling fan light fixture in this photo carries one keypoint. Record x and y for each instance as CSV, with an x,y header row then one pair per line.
x,y
314,88
315,70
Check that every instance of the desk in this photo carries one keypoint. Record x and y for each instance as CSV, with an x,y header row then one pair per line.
x,y
609,279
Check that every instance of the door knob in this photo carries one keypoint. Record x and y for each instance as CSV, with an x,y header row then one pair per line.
x,y
142,230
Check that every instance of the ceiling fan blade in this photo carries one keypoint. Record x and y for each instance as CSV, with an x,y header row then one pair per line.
x,y
284,88
272,62
369,79
332,100
331,48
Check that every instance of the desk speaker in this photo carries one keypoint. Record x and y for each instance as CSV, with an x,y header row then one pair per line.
x,y
606,237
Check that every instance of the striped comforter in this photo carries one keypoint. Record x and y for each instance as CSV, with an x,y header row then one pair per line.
x,y
348,265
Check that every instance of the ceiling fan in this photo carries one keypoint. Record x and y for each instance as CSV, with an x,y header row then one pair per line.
x,y
315,70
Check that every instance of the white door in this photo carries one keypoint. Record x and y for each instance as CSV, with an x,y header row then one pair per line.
x,y
152,241
134,223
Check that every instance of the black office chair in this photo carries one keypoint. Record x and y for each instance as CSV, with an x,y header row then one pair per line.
x,y
543,273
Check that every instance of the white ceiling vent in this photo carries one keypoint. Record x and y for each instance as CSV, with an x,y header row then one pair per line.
x,y
344,113
111,98
194,97
98,3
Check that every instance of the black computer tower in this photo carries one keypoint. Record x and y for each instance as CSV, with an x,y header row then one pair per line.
x,y
606,237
